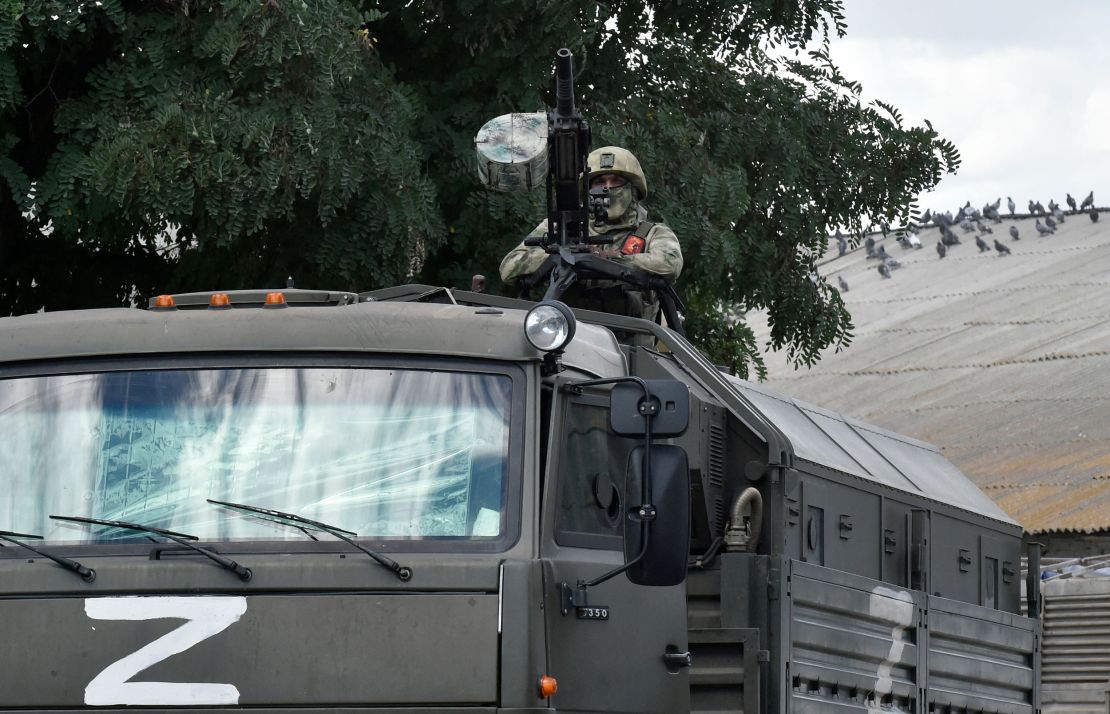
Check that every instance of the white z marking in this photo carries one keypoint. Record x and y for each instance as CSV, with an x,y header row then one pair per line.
x,y
897,608
207,616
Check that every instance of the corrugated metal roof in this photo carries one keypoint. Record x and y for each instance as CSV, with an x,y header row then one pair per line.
x,y
1004,362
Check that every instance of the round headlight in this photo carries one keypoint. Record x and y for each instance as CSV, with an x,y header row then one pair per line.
x,y
549,326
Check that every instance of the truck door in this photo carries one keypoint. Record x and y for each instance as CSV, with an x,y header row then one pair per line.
x,y
608,657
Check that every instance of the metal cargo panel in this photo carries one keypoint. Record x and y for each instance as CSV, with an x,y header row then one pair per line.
x,y
935,475
858,645
979,660
809,441
874,463
853,643
829,439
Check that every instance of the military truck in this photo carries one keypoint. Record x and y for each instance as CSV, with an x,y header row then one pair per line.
x,y
427,500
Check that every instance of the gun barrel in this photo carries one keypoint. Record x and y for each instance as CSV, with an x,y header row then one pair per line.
x,y
564,82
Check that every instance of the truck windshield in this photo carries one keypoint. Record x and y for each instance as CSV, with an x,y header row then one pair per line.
x,y
386,453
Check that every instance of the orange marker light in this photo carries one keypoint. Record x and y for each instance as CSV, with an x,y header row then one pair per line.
x,y
219,300
275,299
164,302
548,686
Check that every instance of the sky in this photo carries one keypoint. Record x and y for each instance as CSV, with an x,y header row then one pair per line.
x,y
1021,87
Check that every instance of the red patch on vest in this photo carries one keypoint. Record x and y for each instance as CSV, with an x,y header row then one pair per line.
x,y
633,245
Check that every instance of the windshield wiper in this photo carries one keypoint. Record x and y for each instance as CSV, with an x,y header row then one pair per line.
x,y
87,574
403,573
180,538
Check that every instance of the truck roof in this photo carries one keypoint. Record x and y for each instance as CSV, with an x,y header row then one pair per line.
x,y
376,327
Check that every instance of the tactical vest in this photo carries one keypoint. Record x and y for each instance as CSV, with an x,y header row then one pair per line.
x,y
613,296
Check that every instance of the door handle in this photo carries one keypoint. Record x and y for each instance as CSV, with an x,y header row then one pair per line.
x,y
675,660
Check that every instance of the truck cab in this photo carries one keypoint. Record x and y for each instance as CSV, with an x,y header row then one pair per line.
x,y
396,502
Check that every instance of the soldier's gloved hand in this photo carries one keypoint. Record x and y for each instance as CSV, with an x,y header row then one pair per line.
x,y
605,251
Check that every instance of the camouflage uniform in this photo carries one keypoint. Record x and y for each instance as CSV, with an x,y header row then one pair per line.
x,y
658,252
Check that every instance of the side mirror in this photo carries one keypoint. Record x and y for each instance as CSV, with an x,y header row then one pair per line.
x,y
660,544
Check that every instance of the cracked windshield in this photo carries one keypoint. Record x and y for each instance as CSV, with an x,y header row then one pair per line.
x,y
385,453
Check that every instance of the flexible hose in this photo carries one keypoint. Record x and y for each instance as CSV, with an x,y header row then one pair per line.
x,y
750,498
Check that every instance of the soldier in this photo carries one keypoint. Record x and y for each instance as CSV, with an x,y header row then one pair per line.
x,y
651,247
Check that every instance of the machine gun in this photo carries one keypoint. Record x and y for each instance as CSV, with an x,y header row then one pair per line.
x,y
513,154
568,145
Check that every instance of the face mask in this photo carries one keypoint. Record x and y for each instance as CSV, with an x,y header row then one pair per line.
x,y
620,200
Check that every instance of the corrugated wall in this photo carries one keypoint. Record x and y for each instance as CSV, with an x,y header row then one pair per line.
x,y
1076,646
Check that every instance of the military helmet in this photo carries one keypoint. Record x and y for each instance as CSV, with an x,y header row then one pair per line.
x,y
615,160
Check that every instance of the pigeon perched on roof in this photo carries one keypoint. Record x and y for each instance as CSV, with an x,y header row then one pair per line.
x,y
841,243
997,203
967,226
992,213
884,271
1032,208
869,245
1002,249
882,254
983,246
1042,230
1014,233
1011,204
1052,206
941,250
892,263
948,237
1058,215
1038,208
1050,223
885,228
913,240
985,229
1094,216
927,216
1088,202
1071,202
843,283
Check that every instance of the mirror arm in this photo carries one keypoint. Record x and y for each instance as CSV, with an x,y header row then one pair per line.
x,y
577,596
576,385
